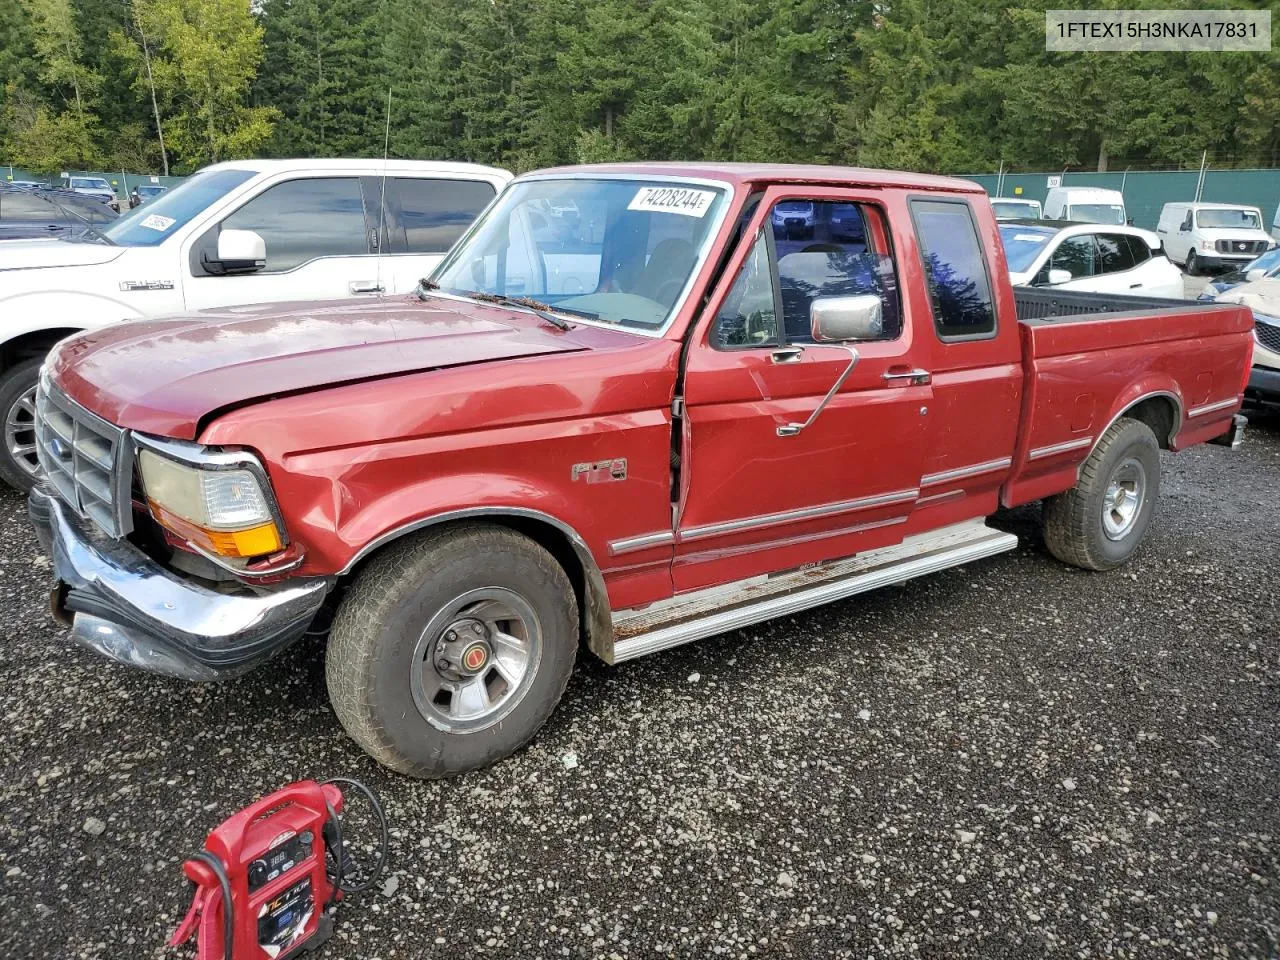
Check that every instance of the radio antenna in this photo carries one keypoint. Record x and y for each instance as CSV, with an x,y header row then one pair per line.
x,y
382,200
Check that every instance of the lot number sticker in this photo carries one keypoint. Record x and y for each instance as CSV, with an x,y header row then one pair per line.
x,y
681,200
157,222
1030,237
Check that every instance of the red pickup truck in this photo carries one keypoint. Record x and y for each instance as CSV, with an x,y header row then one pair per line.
x,y
636,405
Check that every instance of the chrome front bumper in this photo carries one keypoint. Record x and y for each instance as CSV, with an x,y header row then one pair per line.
x,y
125,606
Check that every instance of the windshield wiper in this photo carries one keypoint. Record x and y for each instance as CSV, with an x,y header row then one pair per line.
x,y
541,310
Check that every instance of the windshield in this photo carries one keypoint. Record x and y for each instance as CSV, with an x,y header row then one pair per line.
x,y
1023,244
617,250
1096,213
90,183
1241,219
1015,208
148,225
150,191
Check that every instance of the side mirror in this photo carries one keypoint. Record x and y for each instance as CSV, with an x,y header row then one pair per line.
x,y
1184,229
240,251
1059,275
1129,221
841,319
1257,273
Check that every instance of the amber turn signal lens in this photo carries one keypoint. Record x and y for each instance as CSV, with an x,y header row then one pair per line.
x,y
252,542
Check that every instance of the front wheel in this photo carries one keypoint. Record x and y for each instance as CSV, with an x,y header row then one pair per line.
x,y
1193,265
1101,521
19,467
451,649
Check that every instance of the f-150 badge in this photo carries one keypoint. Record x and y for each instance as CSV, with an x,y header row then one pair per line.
x,y
602,471
130,286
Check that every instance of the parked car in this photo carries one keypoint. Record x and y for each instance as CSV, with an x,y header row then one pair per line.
x,y
1205,236
95,187
712,434
1262,297
27,214
1088,258
1275,225
1259,268
144,192
1016,208
1085,205
28,184
795,219
247,231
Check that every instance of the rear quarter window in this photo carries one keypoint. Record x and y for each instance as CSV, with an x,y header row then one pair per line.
x,y
430,215
959,289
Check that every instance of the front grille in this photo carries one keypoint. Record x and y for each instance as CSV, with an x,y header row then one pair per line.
x,y
1242,246
1268,334
87,460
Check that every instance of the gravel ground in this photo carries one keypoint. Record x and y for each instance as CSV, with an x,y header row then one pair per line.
x,y
1013,759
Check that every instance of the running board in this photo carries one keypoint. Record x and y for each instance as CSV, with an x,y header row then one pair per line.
x,y
704,613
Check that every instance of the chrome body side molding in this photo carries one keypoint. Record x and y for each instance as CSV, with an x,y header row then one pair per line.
x,y
791,516
1201,410
959,473
1055,448
642,542
704,613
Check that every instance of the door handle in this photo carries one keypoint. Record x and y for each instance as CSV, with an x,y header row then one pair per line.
x,y
914,377
787,355
365,286
1134,286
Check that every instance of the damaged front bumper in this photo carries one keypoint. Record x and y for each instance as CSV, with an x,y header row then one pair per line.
x,y
125,606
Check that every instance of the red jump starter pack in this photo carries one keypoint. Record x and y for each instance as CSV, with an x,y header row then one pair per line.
x,y
269,879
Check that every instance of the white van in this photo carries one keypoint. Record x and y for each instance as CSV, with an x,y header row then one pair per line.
x,y
1207,235
1085,205
1016,208
1275,225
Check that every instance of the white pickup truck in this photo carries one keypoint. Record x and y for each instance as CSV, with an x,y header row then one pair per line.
x,y
247,231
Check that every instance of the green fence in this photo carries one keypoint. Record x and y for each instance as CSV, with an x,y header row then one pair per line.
x,y
122,181
1146,191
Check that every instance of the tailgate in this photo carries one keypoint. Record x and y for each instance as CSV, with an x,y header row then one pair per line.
x,y
1186,363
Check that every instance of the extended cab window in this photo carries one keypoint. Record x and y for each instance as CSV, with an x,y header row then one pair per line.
x,y
428,215
304,219
814,248
953,262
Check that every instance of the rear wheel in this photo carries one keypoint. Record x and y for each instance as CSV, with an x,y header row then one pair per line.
x,y
18,464
1101,521
1193,265
451,649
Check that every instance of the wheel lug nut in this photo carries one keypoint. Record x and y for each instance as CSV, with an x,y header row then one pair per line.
x,y
477,628
451,636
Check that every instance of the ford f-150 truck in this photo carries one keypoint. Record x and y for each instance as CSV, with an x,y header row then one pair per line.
x,y
247,231
660,418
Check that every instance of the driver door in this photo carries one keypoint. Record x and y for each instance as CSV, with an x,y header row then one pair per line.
x,y
757,498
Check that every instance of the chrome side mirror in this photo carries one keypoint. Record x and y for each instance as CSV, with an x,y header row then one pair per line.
x,y
1059,276
841,319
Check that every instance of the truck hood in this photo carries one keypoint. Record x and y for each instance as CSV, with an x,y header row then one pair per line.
x,y
164,377
1260,296
26,254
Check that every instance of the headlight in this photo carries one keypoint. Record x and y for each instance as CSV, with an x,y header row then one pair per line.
x,y
1207,246
217,506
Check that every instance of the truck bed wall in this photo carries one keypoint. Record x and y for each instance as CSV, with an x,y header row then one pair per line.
x,y
1083,369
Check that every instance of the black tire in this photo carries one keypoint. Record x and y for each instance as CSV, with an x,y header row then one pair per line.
x,y
1075,526
16,382
376,633
1193,265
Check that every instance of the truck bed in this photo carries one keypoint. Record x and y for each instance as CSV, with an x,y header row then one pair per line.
x,y
1087,358
1048,304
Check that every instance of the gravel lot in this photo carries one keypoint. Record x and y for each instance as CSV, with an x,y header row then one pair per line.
x,y
1014,759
